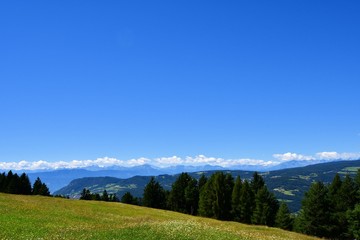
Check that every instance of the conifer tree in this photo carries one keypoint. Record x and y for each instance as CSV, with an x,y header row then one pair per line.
x,y
266,207
347,194
222,187
25,185
44,190
206,199
215,197
113,198
246,202
105,196
192,197
13,183
353,217
2,182
316,211
40,188
357,184
257,182
85,194
202,182
235,199
177,201
283,218
37,186
337,222
128,198
154,195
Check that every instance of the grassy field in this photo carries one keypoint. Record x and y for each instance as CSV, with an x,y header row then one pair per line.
x,y
35,217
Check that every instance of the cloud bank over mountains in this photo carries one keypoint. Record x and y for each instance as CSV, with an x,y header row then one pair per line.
x,y
163,162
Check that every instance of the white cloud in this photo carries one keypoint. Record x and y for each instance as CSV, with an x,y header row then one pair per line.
x,y
108,162
162,162
292,156
335,155
318,156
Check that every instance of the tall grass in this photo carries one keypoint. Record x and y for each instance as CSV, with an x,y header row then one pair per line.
x,y
35,217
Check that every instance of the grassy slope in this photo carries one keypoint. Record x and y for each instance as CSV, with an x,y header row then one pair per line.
x,y
35,217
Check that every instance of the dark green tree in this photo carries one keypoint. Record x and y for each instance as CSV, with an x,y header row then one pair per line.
x,y
206,199
202,182
37,186
215,197
128,198
177,201
337,221
257,182
13,183
3,182
353,217
105,196
357,184
266,207
246,203
113,198
283,218
85,194
316,211
347,193
154,195
192,197
25,185
235,199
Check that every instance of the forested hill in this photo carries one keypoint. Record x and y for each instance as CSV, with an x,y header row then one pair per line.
x,y
288,184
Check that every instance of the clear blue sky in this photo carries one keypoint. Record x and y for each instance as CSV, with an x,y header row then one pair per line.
x,y
130,79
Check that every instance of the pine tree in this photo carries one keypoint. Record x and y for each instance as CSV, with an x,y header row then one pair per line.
x,y
3,182
192,197
215,197
206,199
257,182
13,184
222,187
246,203
347,194
337,222
357,184
266,207
25,185
127,198
40,188
113,198
353,217
235,199
283,218
202,182
105,196
44,190
177,200
85,194
37,186
316,211
154,195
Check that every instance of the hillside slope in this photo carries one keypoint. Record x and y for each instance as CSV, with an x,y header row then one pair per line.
x,y
288,185
35,217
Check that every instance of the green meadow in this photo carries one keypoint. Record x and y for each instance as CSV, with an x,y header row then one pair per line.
x,y
35,217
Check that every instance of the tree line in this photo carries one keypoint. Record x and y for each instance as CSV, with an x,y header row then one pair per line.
x,y
127,198
221,197
333,210
15,184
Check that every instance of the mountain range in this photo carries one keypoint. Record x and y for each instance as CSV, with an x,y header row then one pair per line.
x,y
56,179
288,185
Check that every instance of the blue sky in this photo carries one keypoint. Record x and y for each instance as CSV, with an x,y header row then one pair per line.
x,y
153,79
